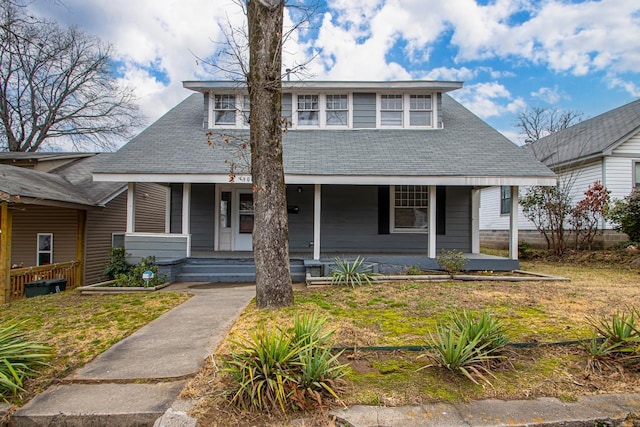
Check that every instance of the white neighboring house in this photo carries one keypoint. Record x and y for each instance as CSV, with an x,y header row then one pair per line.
x,y
604,148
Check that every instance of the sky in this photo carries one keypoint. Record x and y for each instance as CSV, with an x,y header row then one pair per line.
x,y
510,54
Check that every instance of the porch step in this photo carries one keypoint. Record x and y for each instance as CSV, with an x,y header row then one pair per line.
x,y
229,270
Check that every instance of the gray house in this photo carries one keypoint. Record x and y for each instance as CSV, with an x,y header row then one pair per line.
x,y
388,170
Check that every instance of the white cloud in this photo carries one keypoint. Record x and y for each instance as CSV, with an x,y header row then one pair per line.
x,y
632,88
548,95
489,100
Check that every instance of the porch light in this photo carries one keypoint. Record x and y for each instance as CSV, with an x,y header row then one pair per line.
x,y
299,189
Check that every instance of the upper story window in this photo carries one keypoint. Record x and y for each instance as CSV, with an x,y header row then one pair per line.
x,y
337,110
391,110
420,110
224,110
505,200
308,110
410,208
405,110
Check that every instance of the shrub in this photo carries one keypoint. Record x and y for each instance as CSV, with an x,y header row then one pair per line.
x,y
587,214
451,261
274,369
468,345
19,358
117,263
625,214
414,270
134,277
355,273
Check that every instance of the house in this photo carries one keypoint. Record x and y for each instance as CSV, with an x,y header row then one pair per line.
x,y
56,222
387,170
605,148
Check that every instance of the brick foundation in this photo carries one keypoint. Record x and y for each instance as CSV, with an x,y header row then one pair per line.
x,y
500,238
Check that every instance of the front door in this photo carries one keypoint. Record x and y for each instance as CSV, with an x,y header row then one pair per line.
x,y
244,220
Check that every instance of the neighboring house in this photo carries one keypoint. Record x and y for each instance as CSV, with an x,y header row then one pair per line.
x,y
57,222
390,170
605,148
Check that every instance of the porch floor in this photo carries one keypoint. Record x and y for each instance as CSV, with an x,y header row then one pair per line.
x,y
388,262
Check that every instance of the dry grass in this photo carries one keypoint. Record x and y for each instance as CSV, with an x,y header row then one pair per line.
x,y
78,328
394,314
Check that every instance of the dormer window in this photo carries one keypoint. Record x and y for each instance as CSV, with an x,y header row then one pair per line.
x,y
391,110
224,110
308,110
337,107
405,110
420,110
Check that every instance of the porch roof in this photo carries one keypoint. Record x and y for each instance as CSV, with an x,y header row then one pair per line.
x,y
466,152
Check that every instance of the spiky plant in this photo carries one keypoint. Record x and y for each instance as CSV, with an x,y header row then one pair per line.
x,y
353,274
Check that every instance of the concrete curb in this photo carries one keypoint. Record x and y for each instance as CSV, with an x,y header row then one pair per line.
x,y
606,410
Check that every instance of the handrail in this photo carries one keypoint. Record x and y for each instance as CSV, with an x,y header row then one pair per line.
x,y
63,270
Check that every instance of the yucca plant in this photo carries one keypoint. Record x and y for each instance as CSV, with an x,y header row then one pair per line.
x,y
275,369
19,358
486,327
261,369
620,328
619,342
353,274
468,345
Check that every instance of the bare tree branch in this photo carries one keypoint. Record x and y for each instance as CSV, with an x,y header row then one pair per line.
x,y
57,83
538,122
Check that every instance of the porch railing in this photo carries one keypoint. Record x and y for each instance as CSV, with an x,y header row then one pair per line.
x,y
63,270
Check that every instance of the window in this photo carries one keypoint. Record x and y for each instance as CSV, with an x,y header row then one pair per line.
x,y
245,110
637,176
308,110
117,240
420,110
337,110
410,208
391,110
224,110
505,200
45,248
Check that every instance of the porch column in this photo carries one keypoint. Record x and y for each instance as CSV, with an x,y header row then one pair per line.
x,y
131,207
5,253
432,222
475,221
317,199
513,224
80,247
186,213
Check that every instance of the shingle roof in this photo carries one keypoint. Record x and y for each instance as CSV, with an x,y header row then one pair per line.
x,y
592,137
467,146
71,183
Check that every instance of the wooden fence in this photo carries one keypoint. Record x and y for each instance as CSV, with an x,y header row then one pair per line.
x,y
63,270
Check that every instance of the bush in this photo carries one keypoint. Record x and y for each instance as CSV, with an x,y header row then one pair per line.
x,y
134,277
355,273
451,261
625,214
19,358
274,369
117,263
468,345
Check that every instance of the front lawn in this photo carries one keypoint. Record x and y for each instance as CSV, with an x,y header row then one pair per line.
x,y
405,313
78,328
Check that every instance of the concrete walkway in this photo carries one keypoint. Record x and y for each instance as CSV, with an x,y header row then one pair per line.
x,y
134,382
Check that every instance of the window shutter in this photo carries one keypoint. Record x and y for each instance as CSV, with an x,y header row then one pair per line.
x,y
383,210
441,210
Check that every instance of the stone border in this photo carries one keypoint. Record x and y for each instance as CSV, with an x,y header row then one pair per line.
x,y
528,277
104,288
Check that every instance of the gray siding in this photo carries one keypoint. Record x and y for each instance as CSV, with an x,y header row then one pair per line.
x,y
150,208
350,222
202,216
287,108
364,110
160,246
176,209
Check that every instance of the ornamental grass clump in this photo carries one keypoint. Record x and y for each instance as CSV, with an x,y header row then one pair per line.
x,y
275,369
353,274
19,359
618,344
468,345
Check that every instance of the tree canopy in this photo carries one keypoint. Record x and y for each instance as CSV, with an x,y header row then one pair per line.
x,y
57,82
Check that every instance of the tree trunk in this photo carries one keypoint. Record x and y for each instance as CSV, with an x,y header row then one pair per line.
x,y
270,231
